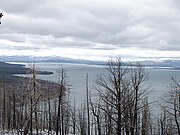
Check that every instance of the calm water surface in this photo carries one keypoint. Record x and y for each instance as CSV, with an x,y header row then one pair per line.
x,y
159,79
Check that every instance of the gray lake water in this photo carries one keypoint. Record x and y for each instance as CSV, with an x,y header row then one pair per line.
x,y
159,79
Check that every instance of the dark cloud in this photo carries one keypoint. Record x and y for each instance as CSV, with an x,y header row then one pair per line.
x,y
90,24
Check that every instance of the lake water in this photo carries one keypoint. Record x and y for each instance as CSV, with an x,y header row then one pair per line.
x,y
159,79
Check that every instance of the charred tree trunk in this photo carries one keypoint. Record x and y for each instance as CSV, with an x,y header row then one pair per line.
x,y
88,113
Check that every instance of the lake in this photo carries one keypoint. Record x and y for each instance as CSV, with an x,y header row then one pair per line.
x,y
159,79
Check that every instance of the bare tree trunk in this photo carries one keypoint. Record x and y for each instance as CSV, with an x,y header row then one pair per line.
x,y
61,92
62,119
35,104
119,130
14,110
49,113
96,113
9,113
82,120
31,116
138,76
59,113
4,106
87,98
74,119
175,116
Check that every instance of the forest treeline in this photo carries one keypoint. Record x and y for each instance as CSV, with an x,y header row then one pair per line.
x,y
116,105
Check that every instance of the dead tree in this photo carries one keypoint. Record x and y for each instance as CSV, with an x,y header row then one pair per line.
x,y
35,97
110,89
138,76
172,108
95,108
121,91
82,120
87,100
61,92
4,106
146,128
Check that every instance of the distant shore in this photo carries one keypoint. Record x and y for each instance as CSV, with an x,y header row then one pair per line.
x,y
10,69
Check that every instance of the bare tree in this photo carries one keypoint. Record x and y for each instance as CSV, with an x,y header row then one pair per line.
x,y
61,93
121,92
4,106
95,108
82,120
110,88
172,109
138,76
87,100
146,119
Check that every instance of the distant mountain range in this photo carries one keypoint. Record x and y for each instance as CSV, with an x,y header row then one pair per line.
x,y
48,59
166,63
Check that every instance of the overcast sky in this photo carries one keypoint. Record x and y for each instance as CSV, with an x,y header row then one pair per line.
x,y
91,29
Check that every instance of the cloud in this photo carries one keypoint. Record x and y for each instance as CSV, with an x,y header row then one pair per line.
x,y
98,26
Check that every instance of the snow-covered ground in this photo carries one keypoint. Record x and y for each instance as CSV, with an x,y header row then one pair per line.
x,y
15,132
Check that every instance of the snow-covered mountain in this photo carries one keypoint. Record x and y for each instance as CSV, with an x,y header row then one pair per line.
x,y
152,63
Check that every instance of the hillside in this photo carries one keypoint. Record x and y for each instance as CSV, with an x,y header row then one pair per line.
x,y
9,69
